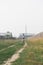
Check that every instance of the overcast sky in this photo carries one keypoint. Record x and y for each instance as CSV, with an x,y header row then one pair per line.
x,y
15,14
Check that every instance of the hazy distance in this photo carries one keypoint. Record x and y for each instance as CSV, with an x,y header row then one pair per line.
x,y
14,14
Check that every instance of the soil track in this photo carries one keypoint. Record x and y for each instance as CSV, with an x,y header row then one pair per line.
x,y
15,56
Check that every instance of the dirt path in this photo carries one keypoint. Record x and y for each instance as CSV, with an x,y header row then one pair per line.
x,y
6,48
15,56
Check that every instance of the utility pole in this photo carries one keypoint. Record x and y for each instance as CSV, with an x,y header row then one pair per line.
x,y
25,32
25,28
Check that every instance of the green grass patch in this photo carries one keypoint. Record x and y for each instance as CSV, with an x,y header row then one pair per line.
x,y
8,52
6,43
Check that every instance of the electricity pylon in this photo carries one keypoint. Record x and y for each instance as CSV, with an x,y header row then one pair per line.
x,y
24,34
26,29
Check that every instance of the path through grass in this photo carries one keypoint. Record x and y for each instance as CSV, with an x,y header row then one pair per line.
x,y
5,54
32,55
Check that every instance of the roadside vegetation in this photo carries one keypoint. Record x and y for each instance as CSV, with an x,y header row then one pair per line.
x,y
9,51
33,53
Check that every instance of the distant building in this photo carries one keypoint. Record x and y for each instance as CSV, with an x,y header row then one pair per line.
x,y
2,35
26,35
6,35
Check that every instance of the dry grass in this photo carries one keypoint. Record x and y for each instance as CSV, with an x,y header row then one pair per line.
x,y
33,54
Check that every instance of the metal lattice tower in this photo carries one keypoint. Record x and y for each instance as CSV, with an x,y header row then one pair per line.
x,y
26,29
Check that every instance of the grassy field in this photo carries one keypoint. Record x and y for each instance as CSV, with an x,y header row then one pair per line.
x,y
9,51
33,53
6,43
